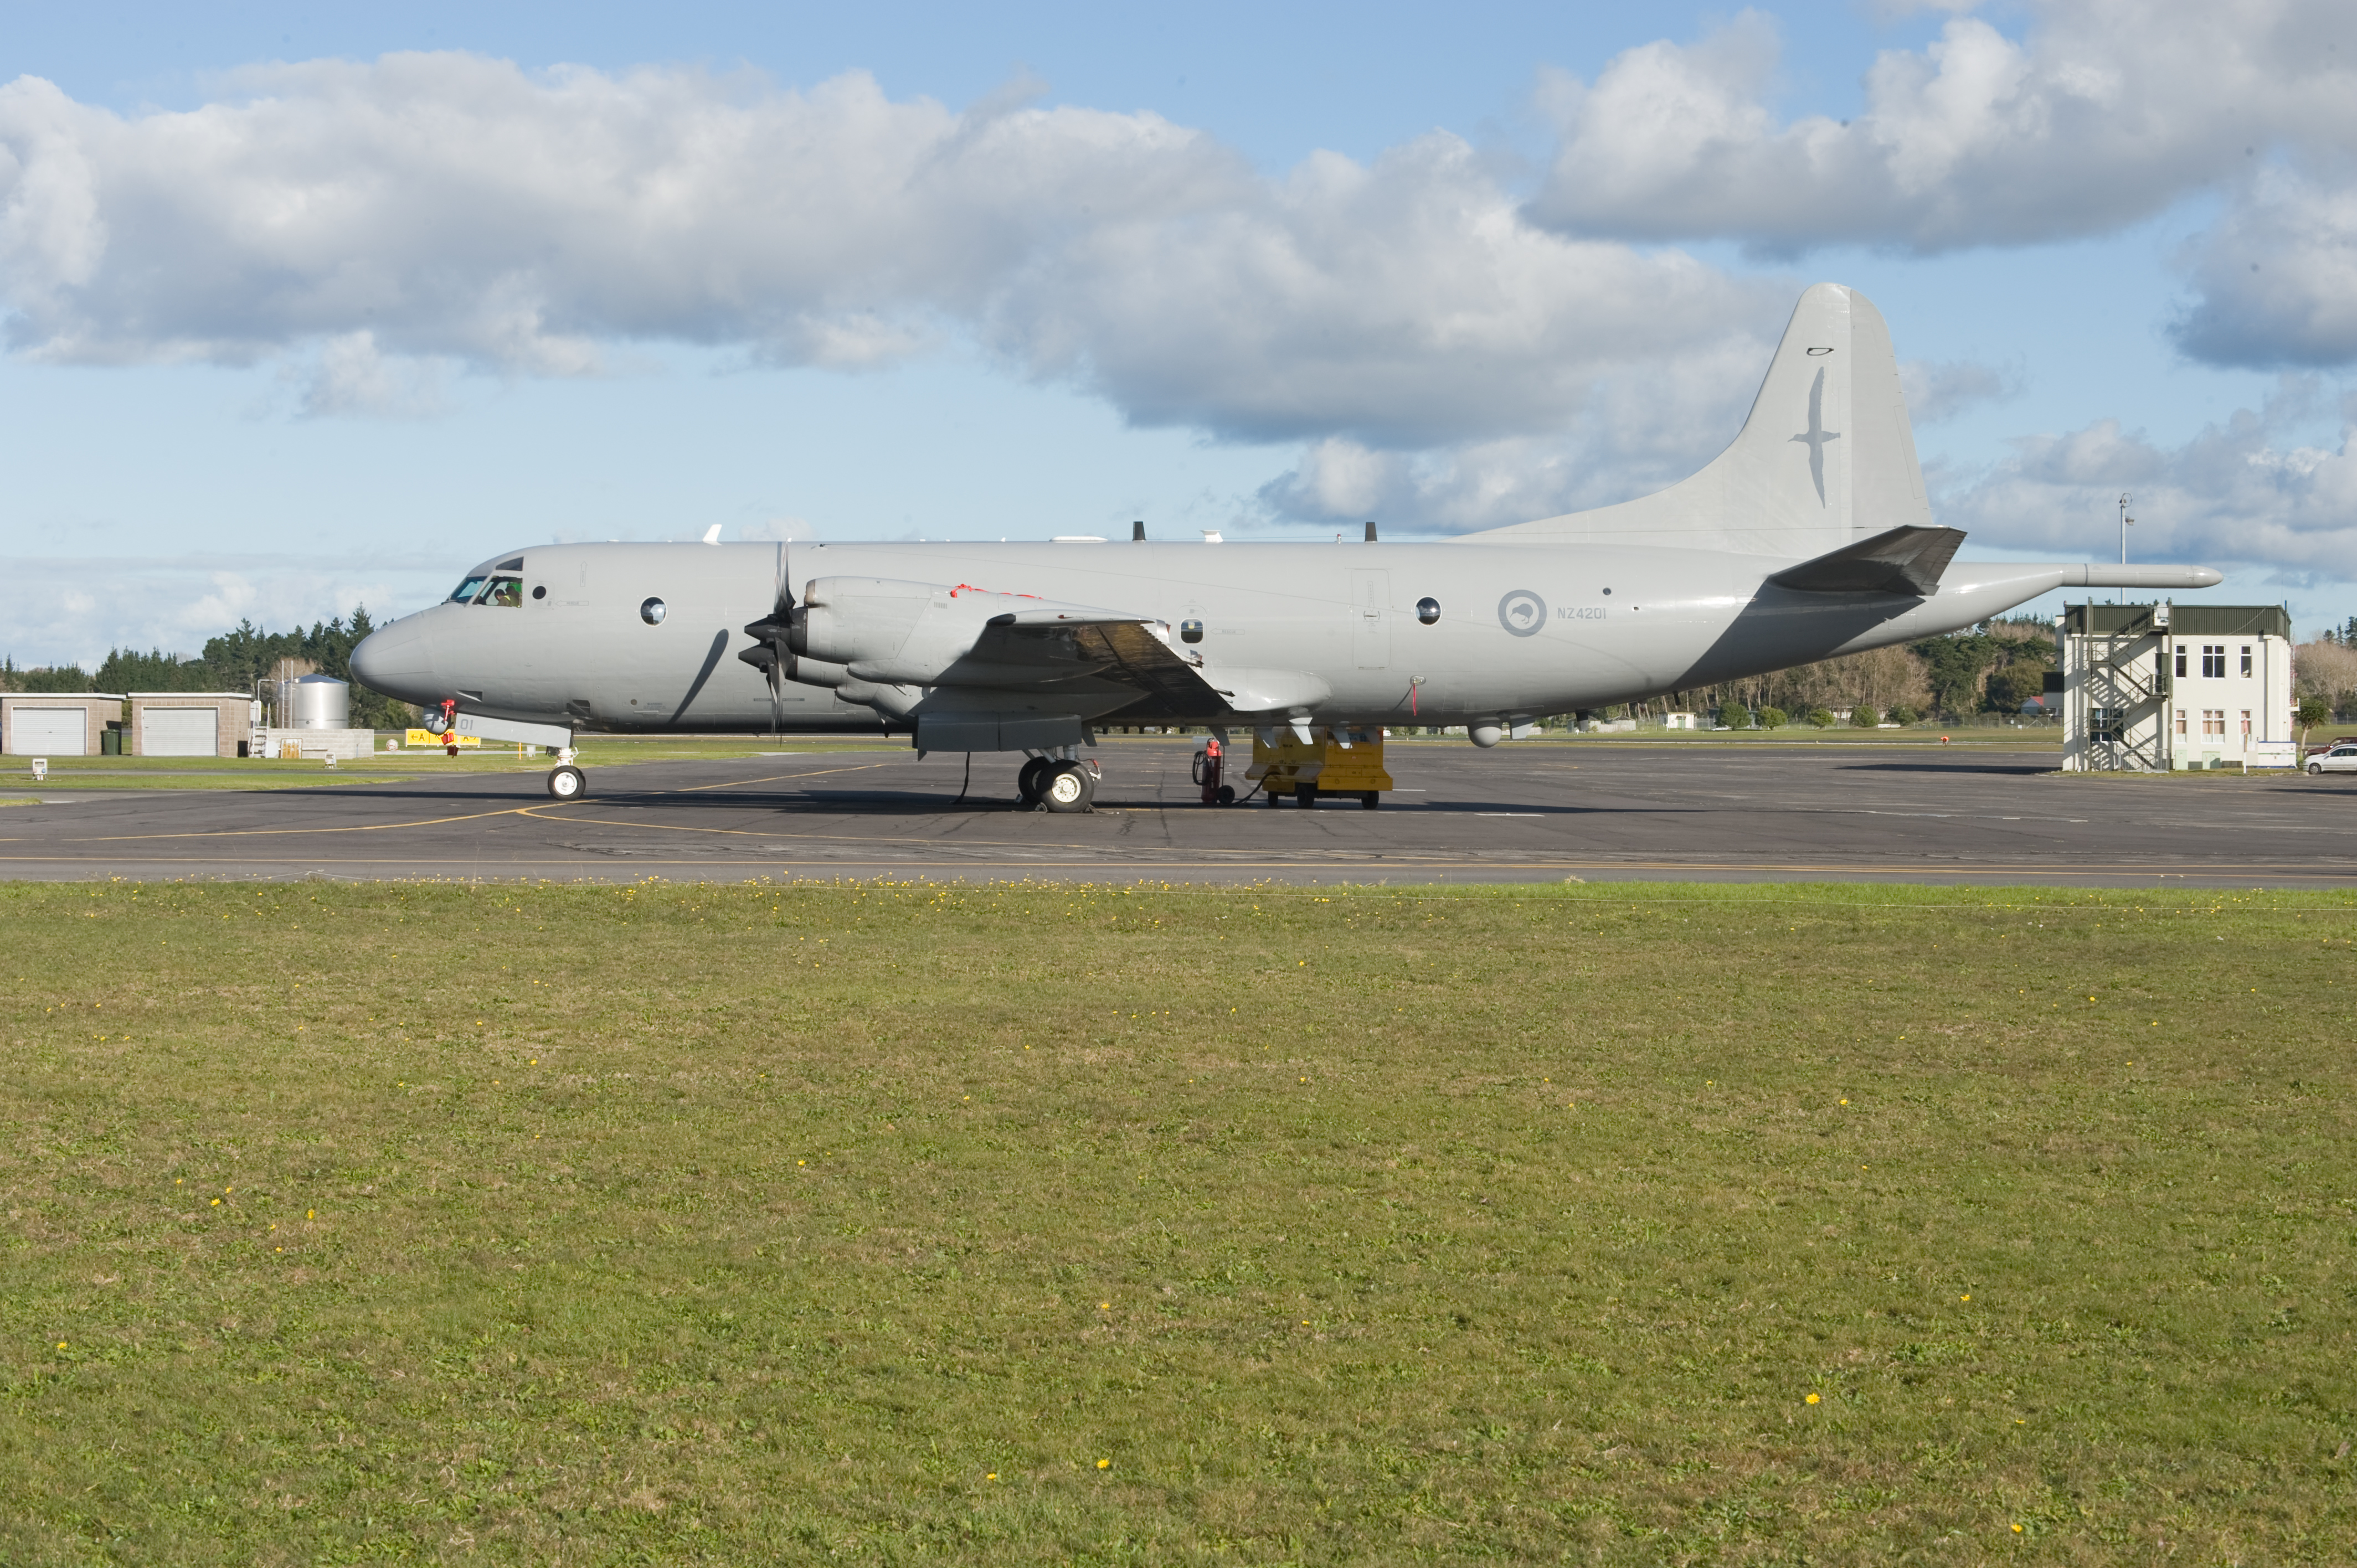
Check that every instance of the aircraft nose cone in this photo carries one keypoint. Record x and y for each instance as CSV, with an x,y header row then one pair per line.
x,y
396,660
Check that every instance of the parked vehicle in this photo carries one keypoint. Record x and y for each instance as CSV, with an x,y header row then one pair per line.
x,y
2341,758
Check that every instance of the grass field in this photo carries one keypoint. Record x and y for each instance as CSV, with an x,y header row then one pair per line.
x,y
1008,1225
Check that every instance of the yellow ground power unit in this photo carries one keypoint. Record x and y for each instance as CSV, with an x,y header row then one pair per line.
x,y
1344,761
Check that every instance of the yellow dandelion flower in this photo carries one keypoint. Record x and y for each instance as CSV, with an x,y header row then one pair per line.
x,y
1104,1307
1813,1398
992,1477
216,1203
61,1344
1966,1297
1104,1464
2017,1529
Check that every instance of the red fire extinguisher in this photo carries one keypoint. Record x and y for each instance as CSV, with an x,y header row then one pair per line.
x,y
1209,764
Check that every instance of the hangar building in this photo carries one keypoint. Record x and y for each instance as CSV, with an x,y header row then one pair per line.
x,y
190,724
57,723
2150,688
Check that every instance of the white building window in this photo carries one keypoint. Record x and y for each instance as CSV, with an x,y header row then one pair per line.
x,y
2213,721
2180,660
2180,717
2246,661
2214,661
2246,729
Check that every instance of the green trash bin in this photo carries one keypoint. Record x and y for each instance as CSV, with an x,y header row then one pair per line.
x,y
110,741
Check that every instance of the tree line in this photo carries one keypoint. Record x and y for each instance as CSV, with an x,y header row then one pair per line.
x,y
1993,668
233,661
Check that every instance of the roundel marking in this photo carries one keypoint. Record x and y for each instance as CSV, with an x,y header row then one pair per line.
x,y
1521,612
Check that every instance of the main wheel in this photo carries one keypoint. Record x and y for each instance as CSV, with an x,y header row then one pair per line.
x,y
1069,788
1304,796
566,783
2316,768
1274,799
1369,799
1033,779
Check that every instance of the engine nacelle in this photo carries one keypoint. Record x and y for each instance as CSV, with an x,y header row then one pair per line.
x,y
849,620
917,634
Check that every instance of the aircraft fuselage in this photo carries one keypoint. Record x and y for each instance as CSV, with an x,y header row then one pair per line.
x,y
1406,633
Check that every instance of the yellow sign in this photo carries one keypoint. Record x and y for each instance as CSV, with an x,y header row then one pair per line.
x,y
427,737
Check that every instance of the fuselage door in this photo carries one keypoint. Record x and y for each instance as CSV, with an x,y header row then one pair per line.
x,y
1370,627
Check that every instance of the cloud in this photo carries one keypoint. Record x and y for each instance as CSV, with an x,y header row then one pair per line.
x,y
1944,390
175,605
2276,278
2108,113
452,210
348,375
1637,433
2238,491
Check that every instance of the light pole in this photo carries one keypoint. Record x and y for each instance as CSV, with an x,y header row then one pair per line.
x,y
2127,523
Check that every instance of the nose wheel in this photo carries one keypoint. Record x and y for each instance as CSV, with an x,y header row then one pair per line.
x,y
566,783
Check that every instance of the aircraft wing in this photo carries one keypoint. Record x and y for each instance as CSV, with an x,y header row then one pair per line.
x,y
1135,653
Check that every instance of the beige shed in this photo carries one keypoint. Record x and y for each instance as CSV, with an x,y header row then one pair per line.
x,y
188,724
56,724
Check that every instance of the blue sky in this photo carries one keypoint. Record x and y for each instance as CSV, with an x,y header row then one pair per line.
x,y
1185,267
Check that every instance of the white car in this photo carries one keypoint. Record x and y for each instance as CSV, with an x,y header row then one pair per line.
x,y
2341,758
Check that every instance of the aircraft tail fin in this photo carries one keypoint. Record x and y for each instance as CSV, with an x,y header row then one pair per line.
x,y
1827,458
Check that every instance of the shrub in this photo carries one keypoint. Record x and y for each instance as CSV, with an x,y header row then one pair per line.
x,y
1822,718
1863,716
1904,715
1773,718
1733,714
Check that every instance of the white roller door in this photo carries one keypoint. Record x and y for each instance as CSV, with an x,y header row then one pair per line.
x,y
177,732
48,732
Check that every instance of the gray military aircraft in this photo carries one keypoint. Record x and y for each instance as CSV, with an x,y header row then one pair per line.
x,y
1807,538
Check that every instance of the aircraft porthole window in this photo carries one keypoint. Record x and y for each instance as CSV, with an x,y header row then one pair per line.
x,y
652,612
540,591
1608,592
1190,632
1428,610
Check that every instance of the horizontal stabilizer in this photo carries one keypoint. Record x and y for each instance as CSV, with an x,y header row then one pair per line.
x,y
1897,560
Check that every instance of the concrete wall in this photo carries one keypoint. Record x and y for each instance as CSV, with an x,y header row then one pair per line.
x,y
345,744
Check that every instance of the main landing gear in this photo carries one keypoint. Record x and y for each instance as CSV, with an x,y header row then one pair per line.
x,y
1057,784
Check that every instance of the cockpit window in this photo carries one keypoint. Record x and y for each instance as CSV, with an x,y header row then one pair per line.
x,y
507,592
465,593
